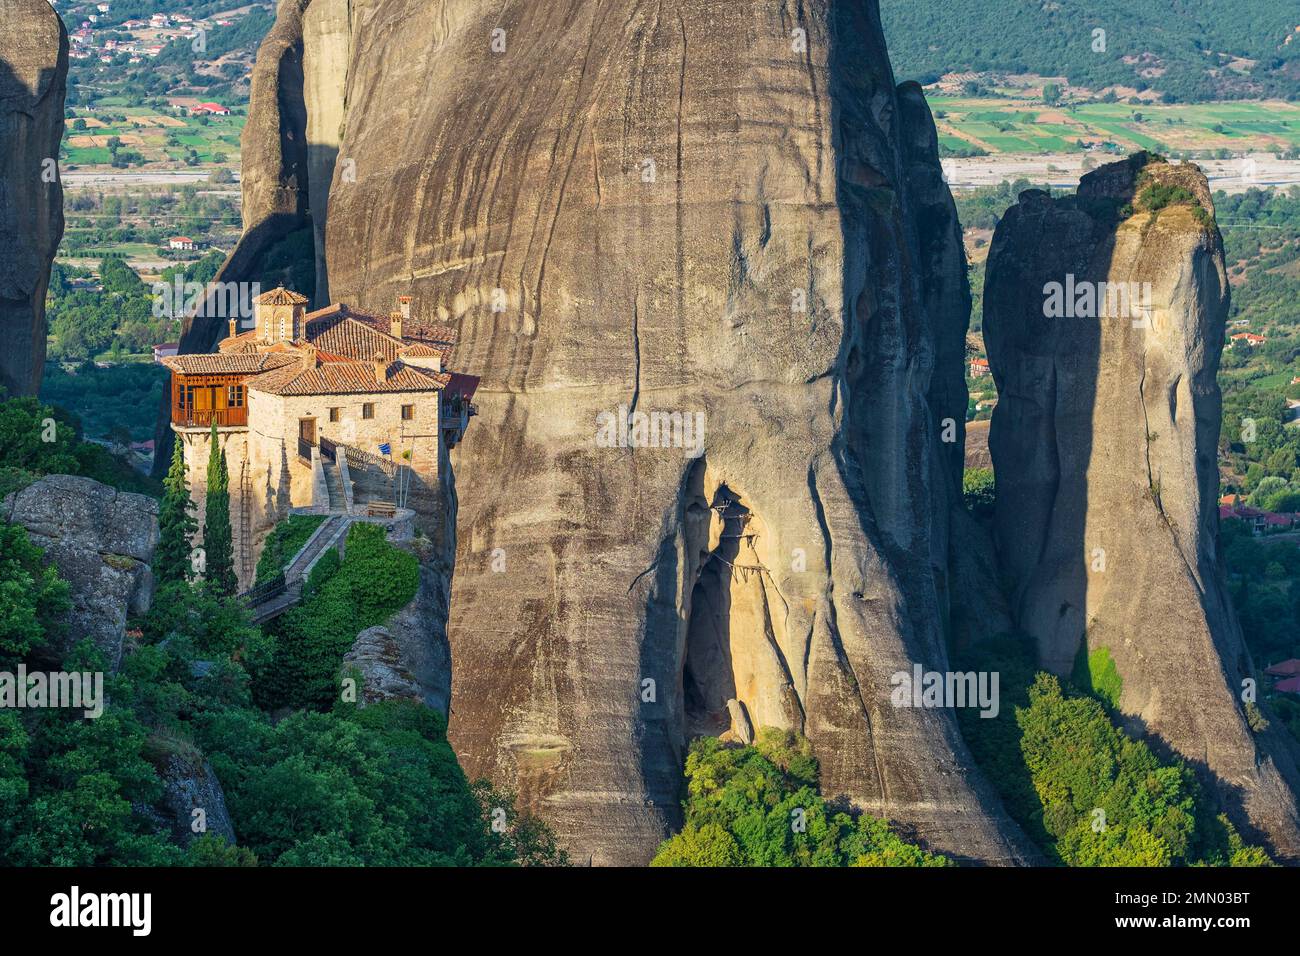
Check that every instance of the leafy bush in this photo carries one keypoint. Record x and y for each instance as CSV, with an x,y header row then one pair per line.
x,y
40,439
378,786
1095,672
760,806
1084,791
373,581
32,595
74,783
284,541
977,491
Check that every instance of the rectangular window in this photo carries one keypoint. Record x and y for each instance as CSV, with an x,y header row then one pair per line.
x,y
368,410
235,396
408,412
336,414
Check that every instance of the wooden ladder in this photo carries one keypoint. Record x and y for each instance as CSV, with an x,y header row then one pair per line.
x,y
245,521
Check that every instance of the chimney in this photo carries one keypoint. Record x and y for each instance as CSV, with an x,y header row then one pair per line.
x,y
396,323
404,303
381,369
234,327
308,358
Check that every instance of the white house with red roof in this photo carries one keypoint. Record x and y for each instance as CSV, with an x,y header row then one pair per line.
x,y
1246,338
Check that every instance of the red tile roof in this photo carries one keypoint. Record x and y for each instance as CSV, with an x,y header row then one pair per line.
x,y
243,342
417,330
281,296
421,350
359,341
346,344
344,378
1242,511
1289,686
1287,668
243,363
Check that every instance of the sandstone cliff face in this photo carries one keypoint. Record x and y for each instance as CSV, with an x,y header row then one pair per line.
x,y
102,541
722,209
33,82
1104,446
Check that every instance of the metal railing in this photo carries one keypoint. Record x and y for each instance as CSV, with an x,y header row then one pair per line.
x,y
362,458
268,589
327,448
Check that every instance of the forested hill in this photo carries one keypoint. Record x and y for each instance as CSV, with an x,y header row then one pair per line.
x,y
1188,49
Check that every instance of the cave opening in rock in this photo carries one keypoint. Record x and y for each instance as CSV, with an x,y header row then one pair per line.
x,y
734,679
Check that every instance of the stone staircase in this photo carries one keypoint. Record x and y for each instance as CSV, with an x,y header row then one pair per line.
x,y
334,485
272,598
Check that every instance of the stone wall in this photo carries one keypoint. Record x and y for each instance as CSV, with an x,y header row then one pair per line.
x,y
243,482
273,423
268,478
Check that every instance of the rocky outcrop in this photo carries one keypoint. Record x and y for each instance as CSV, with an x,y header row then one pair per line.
x,y
1104,444
377,659
193,802
33,82
102,541
408,656
274,186
725,211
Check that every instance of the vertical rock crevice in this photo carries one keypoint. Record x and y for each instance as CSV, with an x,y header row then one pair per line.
x,y
735,676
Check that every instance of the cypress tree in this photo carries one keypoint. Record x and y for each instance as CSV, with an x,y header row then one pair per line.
x,y
176,524
217,544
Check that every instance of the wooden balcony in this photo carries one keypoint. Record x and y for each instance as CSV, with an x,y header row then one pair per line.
x,y
236,417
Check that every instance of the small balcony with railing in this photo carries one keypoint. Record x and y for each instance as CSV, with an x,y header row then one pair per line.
x,y
204,417
201,401
455,414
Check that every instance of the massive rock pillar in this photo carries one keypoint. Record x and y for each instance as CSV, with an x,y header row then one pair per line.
x,y
1104,320
33,83
724,214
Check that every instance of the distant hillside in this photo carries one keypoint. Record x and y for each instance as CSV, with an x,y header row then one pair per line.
x,y
1188,49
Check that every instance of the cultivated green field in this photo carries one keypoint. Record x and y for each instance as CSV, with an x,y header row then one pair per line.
x,y
1023,126
162,138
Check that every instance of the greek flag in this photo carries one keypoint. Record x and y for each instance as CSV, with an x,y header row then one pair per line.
x,y
385,449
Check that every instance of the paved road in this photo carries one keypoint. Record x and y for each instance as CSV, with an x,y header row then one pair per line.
x,y
85,178
1063,170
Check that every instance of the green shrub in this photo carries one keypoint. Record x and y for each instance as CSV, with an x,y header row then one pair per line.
x,y
1095,672
760,806
40,439
373,581
14,479
32,595
284,541
325,569
977,491
1083,790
